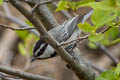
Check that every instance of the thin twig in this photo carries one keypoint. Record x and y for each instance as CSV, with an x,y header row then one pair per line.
x,y
99,69
9,27
106,29
76,40
8,77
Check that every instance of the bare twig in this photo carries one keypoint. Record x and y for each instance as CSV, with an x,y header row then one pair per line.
x,y
8,77
76,40
106,29
99,69
9,27
21,74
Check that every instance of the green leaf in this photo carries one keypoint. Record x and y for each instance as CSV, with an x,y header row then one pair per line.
x,y
100,17
83,3
115,41
110,2
103,5
118,2
113,74
28,22
108,75
92,45
73,5
86,27
100,78
22,49
62,5
110,36
96,37
22,34
1,1
112,33
117,70
104,12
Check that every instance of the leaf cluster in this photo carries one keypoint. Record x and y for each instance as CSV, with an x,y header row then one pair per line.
x,y
113,74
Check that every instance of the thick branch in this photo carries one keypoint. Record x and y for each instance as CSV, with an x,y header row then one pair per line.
x,y
21,74
40,3
82,71
45,16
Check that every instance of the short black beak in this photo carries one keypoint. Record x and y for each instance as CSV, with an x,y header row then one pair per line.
x,y
33,59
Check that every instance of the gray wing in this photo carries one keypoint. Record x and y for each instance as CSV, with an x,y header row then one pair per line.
x,y
64,31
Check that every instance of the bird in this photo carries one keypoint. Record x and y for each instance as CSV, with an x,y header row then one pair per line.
x,y
65,32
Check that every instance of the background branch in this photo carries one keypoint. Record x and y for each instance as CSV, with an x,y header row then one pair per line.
x,y
108,53
21,29
21,23
21,74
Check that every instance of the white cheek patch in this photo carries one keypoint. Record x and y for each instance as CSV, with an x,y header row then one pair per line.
x,y
41,46
47,53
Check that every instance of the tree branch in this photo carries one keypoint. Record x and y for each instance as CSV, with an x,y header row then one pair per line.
x,y
45,16
76,40
40,3
16,20
21,74
82,70
21,29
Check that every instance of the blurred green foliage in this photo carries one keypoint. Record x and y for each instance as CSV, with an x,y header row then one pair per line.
x,y
29,40
1,1
113,74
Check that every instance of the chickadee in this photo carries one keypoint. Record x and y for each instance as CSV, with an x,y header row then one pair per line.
x,y
64,32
